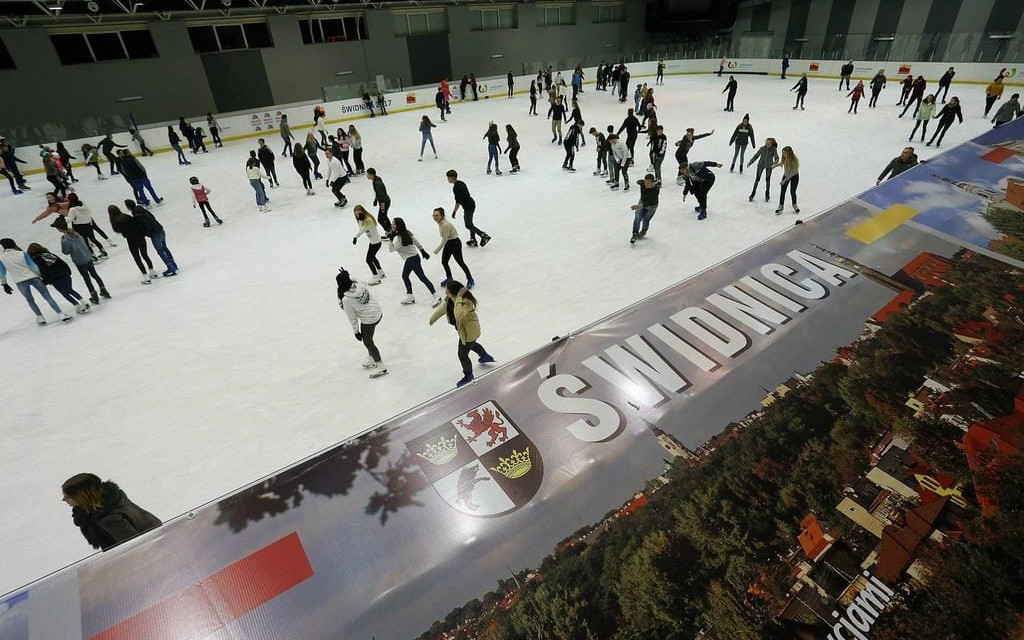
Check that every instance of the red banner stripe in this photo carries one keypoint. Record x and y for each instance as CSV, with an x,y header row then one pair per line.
x,y
196,612
998,155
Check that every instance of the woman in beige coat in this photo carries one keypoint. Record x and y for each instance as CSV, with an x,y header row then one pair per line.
x,y
460,307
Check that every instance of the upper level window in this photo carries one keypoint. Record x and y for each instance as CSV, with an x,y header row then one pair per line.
x,y
230,37
612,12
79,48
418,23
554,15
489,19
316,30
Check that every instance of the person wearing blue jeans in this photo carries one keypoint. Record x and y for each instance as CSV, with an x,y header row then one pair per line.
x,y
493,147
152,228
409,249
19,267
644,210
425,126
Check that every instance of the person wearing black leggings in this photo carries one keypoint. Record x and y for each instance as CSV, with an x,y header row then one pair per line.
x,y
303,167
950,111
450,247
460,310
380,198
133,232
468,205
106,145
410,249
365,314
368,227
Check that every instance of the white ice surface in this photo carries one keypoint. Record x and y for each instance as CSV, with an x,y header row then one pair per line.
x,y
186,389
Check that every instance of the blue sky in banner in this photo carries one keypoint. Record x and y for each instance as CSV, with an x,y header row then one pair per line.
x,y
944,207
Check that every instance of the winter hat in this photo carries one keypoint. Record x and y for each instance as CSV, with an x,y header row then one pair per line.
x,y
344,281
8,243
60,223
193,180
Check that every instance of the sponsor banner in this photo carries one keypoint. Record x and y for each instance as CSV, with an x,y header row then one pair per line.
x,y
383,535
814,67
903,70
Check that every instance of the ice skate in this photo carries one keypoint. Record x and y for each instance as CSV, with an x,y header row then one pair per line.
x,y
485,359
66,318
153,275
104,293
634,238
497,172
470,283
378,369
471,242
408,299
82,307
94,298
375,279
484,239
369,363
796,209
466,379
206,224
41,321
778,210
438,299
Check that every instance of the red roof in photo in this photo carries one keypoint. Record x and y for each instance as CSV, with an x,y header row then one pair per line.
x,y
989,440
897,304
926,270
900,543
812,537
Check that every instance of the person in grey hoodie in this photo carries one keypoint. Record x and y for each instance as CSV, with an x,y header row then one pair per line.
x,y
766,158
743,135
286,135
1007,111
74,245
906,160
365,314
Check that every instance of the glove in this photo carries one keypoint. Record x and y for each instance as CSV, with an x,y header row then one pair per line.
x,y
375,202
8,290
426,256
359,336
355,240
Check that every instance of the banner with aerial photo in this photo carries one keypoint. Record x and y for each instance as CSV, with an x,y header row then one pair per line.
x,y
815,439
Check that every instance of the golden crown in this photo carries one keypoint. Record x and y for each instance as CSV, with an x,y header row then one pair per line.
x,y
516,465
442,451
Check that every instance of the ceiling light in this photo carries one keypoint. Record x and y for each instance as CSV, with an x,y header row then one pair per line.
x,y
93,6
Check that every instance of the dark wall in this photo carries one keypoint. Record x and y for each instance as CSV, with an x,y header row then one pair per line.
x,y
237,79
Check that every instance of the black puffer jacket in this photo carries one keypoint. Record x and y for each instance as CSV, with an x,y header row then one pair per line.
x,y
119,519
51,268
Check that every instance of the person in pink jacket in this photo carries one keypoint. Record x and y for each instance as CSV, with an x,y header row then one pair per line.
x,y
200,198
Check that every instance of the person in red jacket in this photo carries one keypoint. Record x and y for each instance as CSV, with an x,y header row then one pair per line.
x,y
855,96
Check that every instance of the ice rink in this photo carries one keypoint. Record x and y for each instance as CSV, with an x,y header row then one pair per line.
x,y
186,389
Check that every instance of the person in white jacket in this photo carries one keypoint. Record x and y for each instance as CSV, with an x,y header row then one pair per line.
x,y
256,176
620,162
368,227
24,273
336,177
364,313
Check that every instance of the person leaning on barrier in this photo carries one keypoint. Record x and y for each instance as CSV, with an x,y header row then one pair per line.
x,y
103,512
906,160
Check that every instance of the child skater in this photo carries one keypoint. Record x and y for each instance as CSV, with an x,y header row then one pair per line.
x,y
92,159
368,227
460,309
409,249
365,314
855,96
200,199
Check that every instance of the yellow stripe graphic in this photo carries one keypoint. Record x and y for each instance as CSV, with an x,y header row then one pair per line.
x,y
880,225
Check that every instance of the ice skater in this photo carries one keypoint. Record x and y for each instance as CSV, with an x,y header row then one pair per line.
x,y
906,160
684,145
632,128
426,136
924,115
741,137
450,247
465,202
286,135
493,148
790,178
877,84
660,77
65,161
855,96
512,147
106,146
905,88
138,177
993,92
201,199
364,313
766,158
405,244
303,167
368,227
156,234
620,157
1007,111
644,210
73,244
944,82
659,147
460,308
311,148
256,177
801,91
533,99
17,266
336,178
57,274
345,145
603,148
319,124
80,218
731,87
557,114
785,65
572,143
11,161
381,199
133,232
439,103
133,130
91,155
700,179
844,75
211,124
266,157
950,111
916,95
175,142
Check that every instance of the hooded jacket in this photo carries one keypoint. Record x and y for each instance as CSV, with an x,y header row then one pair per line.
x,y
51,268
74,245
359,306
117,520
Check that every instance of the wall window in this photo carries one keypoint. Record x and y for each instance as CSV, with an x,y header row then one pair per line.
x,y
80,48
230,37
554,15
317,30
6,61
489,19
418,23
609,12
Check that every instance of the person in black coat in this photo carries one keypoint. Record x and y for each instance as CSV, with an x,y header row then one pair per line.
x,y
103,513
844,74
801,91
731,88
916,95
951,111
134,233
266,158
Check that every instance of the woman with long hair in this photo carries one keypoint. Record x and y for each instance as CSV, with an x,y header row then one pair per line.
x,y
512,147
303,167
790,177
365,314
103,512
410,250
56,273
17,268
311,147
368,227
256,176
766,157
175,140
460,308
65,161
493,147
56,177
426,136
344,144
357,148
134,233
924,115
80,218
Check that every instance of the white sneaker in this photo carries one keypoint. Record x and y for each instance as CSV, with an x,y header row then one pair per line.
x,y
408,299
369,363
65,318
379,369
375,279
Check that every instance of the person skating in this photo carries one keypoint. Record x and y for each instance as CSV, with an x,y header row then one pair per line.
x,y
472,85
91,155
684,145
368,227
211,124
790,178
906,160
410,250
950,111
660,77
493,147
344,145
381,199
645,209
700,179
286,135
855,96
449,247
460,308
11,161
465,202
877,84
73,244
320,124
303,167
603,148
55,176
621,158
446,90
721,66
801,91
102,511
66,158
138,177
741,137
659,147
106,145
916,95
336,178
512,147
632,128
844,75
924,115
201,199
266,157
533,99
311,147
731,87
1007,111
510,80
256,176
156,234
905,88
426,136
785,66
80,218
557,114
17,266
134,233
189,132
766,158
365,314
462,88
993,92
175,142
572,143
439,103
576,117
133,131
944,82
57,274
6,172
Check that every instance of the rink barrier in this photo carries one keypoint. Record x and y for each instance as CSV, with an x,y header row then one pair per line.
x,y
423,98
